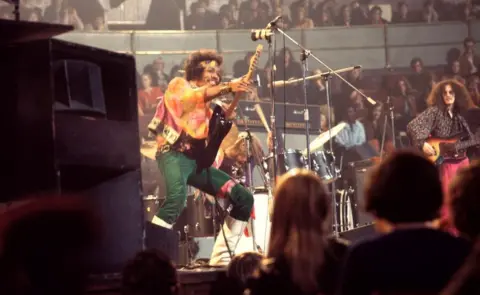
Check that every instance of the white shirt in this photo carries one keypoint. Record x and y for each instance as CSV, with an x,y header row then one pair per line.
x,y
352,135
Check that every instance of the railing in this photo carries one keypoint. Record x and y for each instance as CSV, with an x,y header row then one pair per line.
x,y
373,47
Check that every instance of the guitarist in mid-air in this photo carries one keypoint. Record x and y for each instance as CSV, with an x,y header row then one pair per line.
x,y
443,119
181,125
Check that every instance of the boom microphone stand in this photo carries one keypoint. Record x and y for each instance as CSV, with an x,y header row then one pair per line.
x,y
327,86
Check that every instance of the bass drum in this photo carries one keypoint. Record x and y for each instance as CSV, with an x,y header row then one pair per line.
x,y
258,240
196,217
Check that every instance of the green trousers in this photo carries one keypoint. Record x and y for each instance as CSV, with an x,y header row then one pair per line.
x,y
179,170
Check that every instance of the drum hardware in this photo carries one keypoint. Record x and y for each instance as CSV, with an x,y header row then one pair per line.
x,y
186,229
327,78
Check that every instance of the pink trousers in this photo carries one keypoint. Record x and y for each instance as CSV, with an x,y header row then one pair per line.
x,y
448,170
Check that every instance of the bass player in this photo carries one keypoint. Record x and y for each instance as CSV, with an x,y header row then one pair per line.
x,y
181,125
443,119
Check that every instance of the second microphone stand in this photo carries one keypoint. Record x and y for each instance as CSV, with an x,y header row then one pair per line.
x,y
327,85
306,115
389,113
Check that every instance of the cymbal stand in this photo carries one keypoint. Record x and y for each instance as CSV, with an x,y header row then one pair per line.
x,y
306,115
389,114
336,226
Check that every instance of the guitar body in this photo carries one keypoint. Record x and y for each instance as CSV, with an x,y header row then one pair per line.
x,y
218,129
445,150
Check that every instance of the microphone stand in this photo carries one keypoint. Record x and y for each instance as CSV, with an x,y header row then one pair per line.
x,y
273,128
336,225
327,86
388,114
306,115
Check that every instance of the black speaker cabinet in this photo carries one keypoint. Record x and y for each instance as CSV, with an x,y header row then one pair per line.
x,y
357,173
69,125
69,118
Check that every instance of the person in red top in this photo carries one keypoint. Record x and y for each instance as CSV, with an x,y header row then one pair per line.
x,y
148,96
181,125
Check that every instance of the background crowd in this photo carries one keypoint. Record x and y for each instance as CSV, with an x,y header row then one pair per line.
x,y
244,14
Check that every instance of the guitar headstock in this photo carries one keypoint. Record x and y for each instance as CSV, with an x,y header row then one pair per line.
x,y
254,60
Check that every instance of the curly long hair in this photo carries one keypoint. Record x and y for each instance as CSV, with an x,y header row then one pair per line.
x,y
193,65
463,101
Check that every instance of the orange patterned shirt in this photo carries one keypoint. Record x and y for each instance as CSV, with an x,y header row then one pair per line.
x,y
188,108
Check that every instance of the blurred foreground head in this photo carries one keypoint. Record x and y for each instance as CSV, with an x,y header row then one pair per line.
x,y
299,226
43,245
404,188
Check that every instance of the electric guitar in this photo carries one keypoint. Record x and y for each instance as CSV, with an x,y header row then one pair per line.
x,y
219,125
449,148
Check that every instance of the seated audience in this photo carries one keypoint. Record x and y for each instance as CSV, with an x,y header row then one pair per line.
x,y
302,259
354,133
412,256
150,272
239,270
378,131
242,267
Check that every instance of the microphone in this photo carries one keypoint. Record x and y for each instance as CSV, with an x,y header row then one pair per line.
x,y
274,22
263,34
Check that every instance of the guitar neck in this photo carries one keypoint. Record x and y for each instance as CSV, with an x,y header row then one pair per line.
x,y
248,76
461,145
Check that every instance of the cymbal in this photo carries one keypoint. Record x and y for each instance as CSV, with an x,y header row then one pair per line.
x,y
149,149
324,137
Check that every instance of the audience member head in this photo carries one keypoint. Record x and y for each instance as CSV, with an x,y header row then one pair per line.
x,y
404,188
417,65
464,197
450,93
375,112
146,80
150,273
402,8
351,113
43,246
299,226
242,267
469,45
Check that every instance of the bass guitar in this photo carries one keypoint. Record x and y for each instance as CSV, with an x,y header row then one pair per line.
x,y
220,125
449,148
